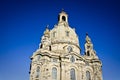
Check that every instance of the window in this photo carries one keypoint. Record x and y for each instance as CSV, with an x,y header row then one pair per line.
x,y
88,47
63,18
86,63
41,46
54,60
54,73
67,33
54,34
37,72
72,74
50,48
69,48
88,53
88,75
38,57
72,59
31,77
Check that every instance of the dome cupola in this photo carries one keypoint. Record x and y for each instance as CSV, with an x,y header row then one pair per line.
x,y
63,17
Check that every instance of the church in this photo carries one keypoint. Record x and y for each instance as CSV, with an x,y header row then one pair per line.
x,y
59,55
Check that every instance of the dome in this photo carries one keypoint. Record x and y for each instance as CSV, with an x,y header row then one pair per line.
x,y
62,32
64,35
61,37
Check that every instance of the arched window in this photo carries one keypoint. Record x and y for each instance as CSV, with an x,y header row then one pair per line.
x,y
88,53
38,57
37,72
88,75
72,59
69,48
54,34
72,74
54,73
63,18
67,33
50,48
41,46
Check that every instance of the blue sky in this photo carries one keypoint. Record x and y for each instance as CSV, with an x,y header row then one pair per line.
x,y
22,23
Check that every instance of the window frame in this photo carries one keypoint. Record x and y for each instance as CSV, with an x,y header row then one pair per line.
x,y
54,73
88,76
67,33
54,34
72,74
37,72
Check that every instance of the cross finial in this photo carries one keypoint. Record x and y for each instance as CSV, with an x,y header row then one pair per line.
x,y
47,26
62,9
86,34
88,40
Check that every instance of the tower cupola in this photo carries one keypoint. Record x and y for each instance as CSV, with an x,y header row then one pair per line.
x,y
63,17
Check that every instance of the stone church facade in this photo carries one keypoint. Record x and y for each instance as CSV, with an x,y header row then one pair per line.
x,y
59,55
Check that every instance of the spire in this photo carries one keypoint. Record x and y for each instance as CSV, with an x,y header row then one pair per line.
x,y
47,26
88,44
46,32
62,10
89,51
88,40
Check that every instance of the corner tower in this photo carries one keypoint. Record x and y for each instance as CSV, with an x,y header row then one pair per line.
x,y
58,56
90,53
